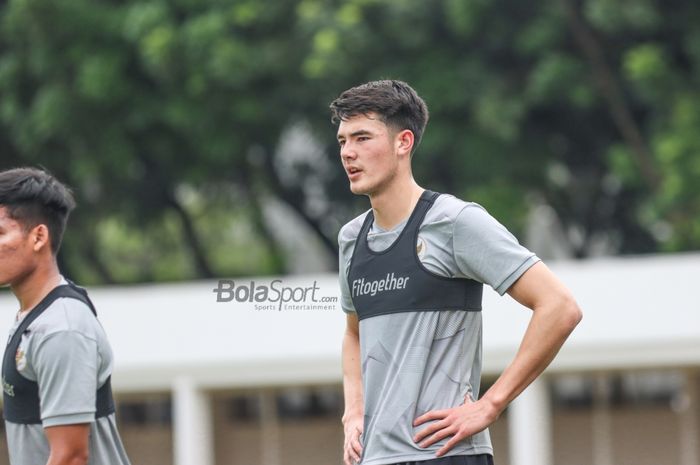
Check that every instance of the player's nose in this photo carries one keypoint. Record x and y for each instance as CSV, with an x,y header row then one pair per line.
x,y
347,152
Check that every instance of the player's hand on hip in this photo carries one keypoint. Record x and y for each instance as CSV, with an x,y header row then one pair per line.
x,y
352,449
458,422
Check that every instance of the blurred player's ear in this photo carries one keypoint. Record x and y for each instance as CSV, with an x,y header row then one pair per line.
x,y
39,235
404,142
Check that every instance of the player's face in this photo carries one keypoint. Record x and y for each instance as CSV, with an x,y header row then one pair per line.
x,y
367,150
16,252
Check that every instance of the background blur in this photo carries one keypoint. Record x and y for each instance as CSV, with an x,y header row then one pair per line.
x,y
196,136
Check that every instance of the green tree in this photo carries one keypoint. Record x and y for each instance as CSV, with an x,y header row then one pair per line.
x,y
176,121
566,101
135,103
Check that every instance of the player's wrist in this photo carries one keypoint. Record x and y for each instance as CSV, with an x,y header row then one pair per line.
x,y
494,404
352,414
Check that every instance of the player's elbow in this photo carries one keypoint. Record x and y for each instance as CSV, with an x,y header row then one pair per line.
x,y
570,312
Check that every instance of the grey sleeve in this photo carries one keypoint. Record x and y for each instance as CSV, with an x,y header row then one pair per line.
x,y
344,257
486,251
66,365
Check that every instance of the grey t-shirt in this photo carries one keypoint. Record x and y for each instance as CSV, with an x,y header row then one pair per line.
x,y
67,353
414,362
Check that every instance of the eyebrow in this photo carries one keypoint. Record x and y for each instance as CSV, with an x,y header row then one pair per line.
x,y
359,132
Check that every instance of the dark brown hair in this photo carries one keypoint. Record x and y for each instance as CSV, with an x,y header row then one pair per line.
x,y
33,197
396,104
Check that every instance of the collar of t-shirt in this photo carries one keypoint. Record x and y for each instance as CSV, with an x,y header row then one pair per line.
x,y
376,229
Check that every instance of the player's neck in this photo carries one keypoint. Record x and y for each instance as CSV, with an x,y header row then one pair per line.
x,y
36,285
395,203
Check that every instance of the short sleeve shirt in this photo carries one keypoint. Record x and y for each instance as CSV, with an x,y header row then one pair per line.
x,y
65,351
414,362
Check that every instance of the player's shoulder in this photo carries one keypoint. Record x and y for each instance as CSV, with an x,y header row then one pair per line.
x,y
469,218
449,208
350,230
65,314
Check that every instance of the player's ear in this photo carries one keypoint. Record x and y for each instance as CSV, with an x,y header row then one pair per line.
x,y
40,237
404,142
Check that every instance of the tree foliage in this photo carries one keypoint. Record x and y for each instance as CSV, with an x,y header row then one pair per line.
x,y
177,121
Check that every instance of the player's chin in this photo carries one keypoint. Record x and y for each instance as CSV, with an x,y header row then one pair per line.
x,y
359,188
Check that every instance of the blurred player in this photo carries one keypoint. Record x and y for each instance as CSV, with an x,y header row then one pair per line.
x,y
412,270
57,397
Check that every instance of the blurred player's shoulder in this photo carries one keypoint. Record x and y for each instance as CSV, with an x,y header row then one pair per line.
x,y
67,314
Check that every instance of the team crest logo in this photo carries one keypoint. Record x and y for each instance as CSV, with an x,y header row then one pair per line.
x,y
421,247
8,388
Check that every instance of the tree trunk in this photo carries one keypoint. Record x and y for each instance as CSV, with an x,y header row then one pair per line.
x,y
156,175
610,89
196,249
295,199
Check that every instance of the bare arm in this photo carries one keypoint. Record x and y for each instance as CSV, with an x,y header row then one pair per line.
x,y
68,444
555,315
353,417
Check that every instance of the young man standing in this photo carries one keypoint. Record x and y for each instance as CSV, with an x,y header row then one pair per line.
x,y
412,270
57,397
